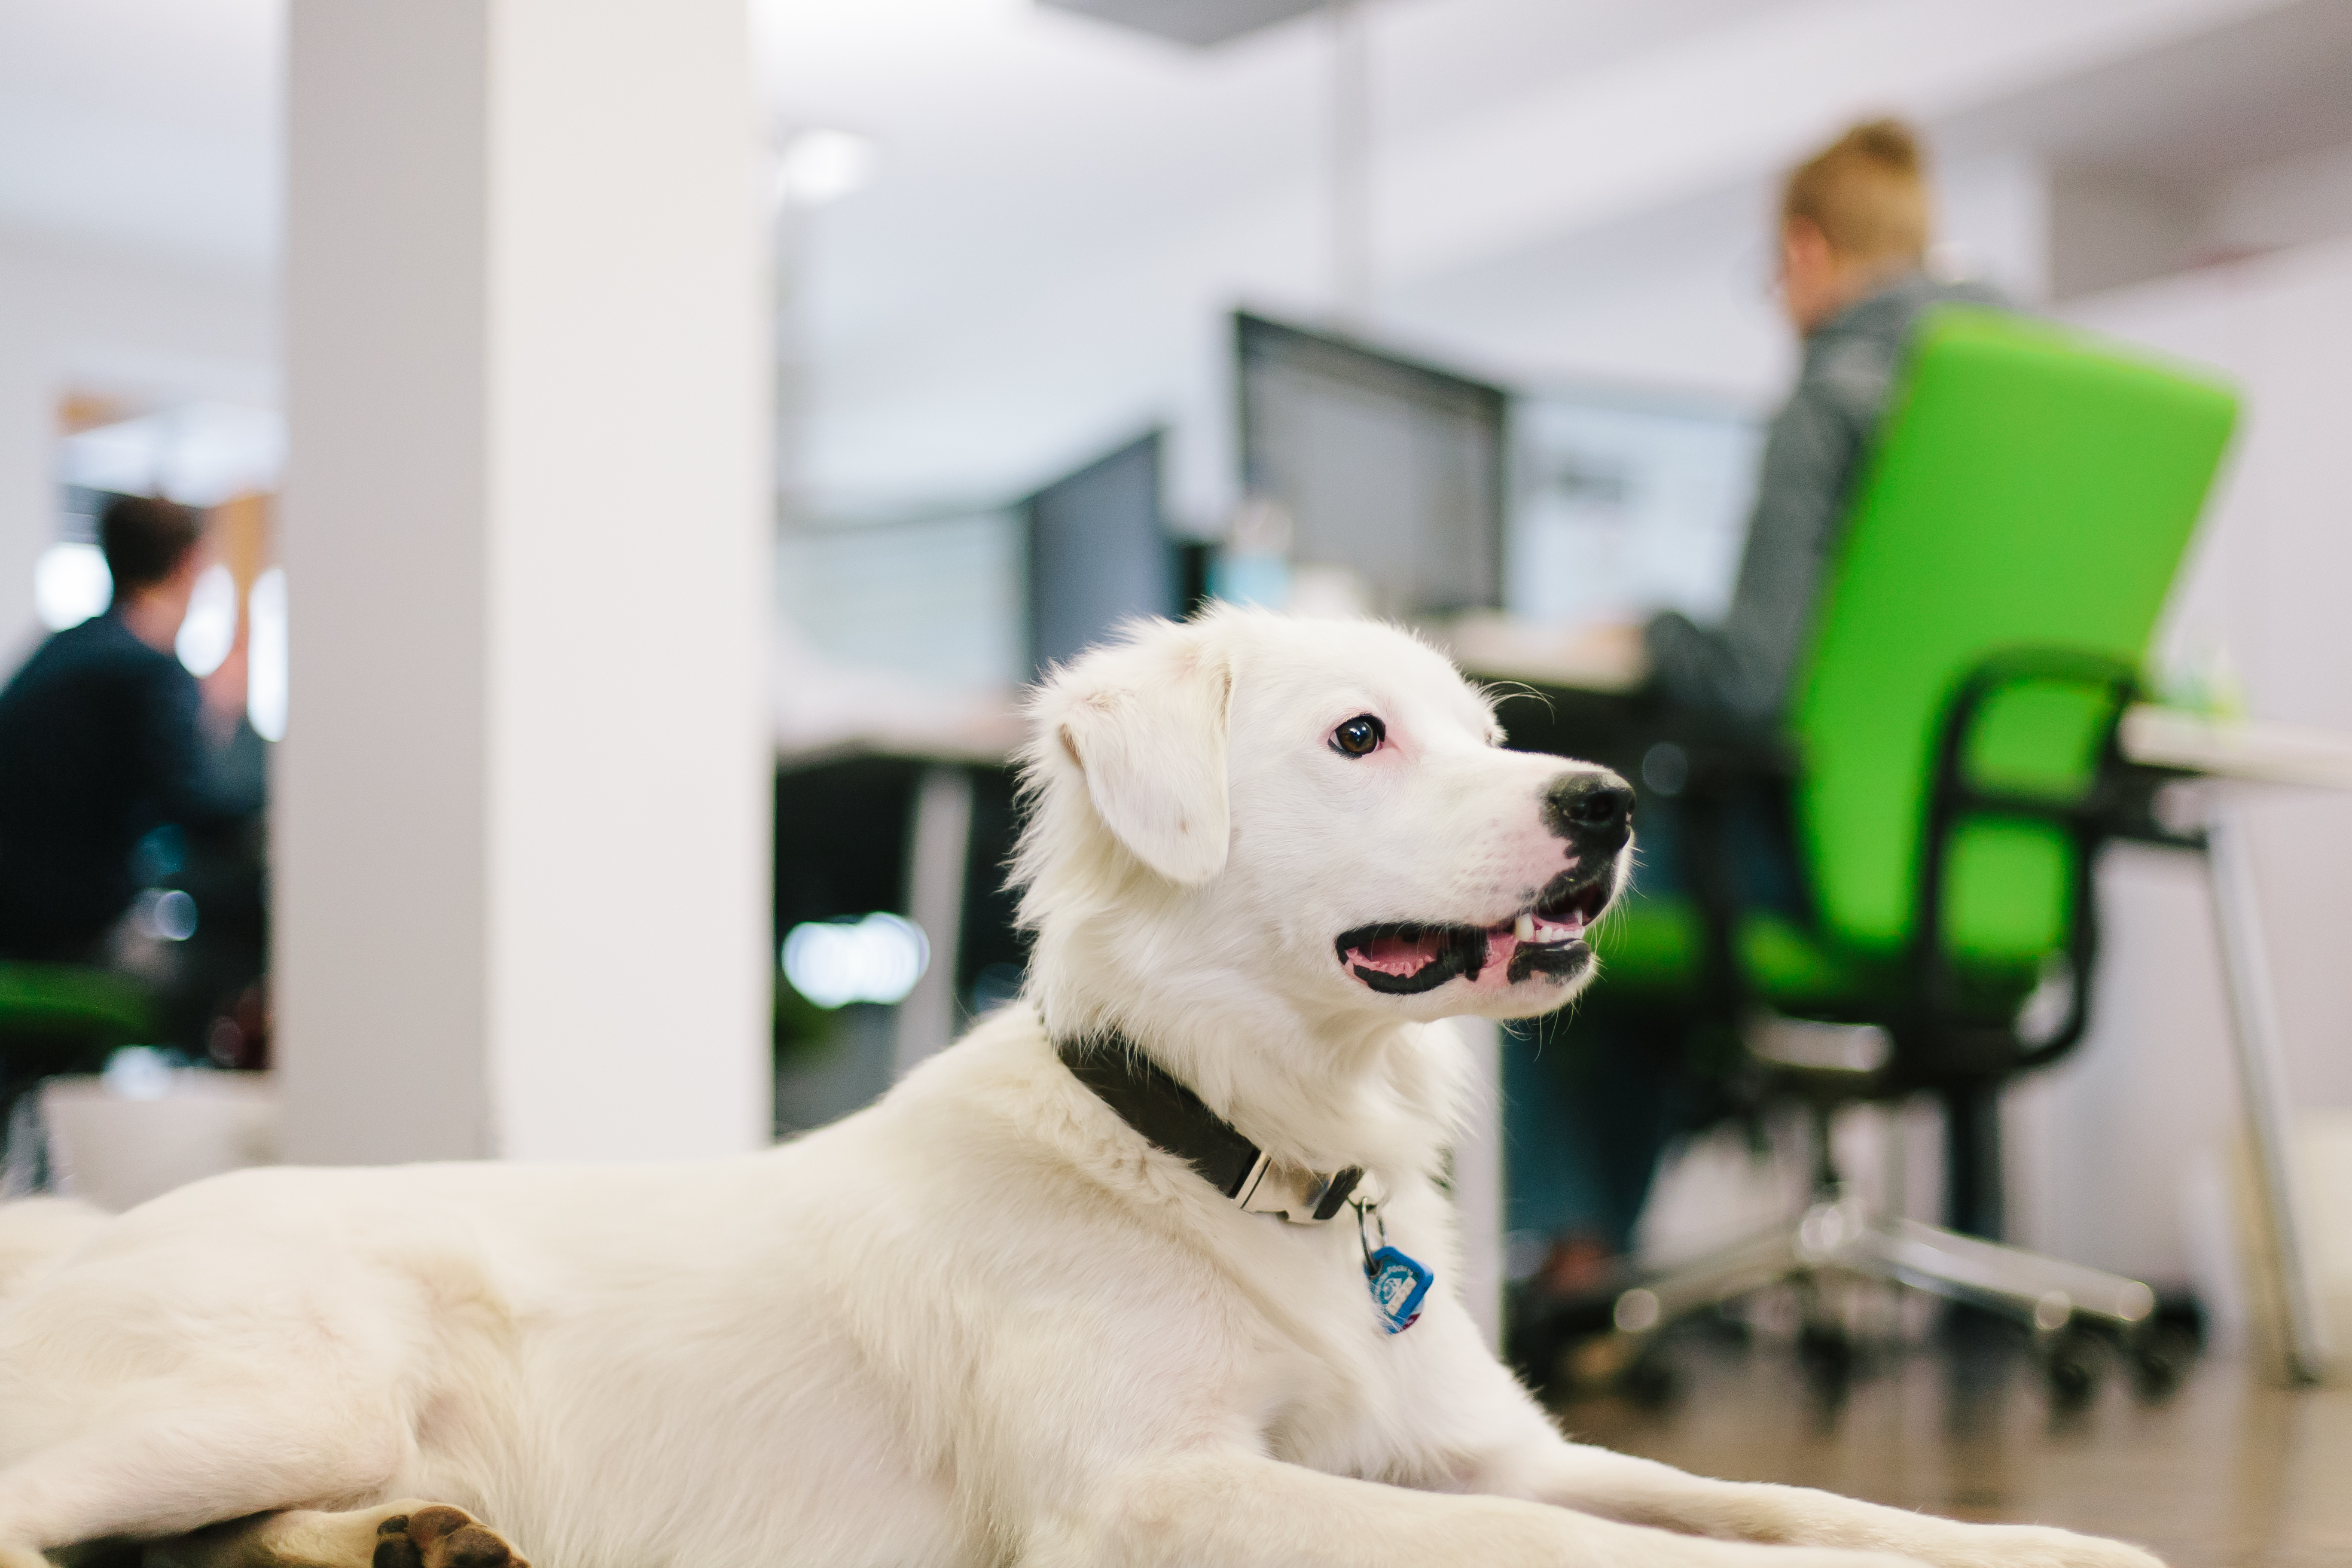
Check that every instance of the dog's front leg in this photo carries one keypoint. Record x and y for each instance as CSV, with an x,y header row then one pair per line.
x,y
1242,1511
1644,1492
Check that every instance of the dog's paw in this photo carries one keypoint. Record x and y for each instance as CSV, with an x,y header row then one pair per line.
x,y
439,1536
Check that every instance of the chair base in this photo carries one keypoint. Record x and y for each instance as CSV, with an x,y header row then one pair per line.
x,y
1839,1235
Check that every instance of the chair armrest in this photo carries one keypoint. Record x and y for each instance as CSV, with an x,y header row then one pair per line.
x,y
2109,800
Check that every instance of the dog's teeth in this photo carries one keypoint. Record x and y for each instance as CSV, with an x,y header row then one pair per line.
x,y
1525,928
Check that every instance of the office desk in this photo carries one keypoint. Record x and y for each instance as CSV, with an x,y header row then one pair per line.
x,y
916,829
2223,758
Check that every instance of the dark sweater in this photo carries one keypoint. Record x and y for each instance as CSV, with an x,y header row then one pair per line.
x,y
100,745
1812,455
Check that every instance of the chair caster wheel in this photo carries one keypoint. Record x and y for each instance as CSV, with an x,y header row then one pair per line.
x,y
1828,1356
2161,1355
2074,1367
1650,1380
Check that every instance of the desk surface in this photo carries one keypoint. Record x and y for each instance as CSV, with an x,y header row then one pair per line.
x,y
2243,750
1495,647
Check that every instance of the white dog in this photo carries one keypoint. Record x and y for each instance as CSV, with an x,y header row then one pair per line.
x,y
1040,1305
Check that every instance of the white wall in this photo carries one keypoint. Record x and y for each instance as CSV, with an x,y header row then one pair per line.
x,y
79,319
2293,201
2110,1149
2113,229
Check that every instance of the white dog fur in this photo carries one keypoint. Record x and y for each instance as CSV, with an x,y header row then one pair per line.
x,y
983,1322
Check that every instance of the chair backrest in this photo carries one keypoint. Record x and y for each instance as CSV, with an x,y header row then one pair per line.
x,y
2030,487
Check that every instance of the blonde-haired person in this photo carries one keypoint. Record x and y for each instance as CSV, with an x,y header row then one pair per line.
x,y
1854,230
1587,1124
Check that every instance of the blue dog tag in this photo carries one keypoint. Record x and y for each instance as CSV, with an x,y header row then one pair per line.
x,y
1398,1285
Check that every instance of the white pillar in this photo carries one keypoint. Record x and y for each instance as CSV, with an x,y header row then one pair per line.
x,y
522,807
28,499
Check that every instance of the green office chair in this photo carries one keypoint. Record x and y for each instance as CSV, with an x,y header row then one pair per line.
x,y
1947,773
59,1019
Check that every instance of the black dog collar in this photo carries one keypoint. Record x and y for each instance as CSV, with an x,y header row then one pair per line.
x,y
1172,1117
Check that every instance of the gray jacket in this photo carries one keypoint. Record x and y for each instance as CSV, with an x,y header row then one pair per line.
x,y
1811,455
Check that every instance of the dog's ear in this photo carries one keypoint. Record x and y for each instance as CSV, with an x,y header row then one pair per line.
x,y
1145,725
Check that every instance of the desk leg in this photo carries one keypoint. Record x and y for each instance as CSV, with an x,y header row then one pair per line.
x,y
1477,1169
2262,1081
939,846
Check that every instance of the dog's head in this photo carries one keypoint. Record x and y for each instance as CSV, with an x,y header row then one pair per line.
x,y
1318,812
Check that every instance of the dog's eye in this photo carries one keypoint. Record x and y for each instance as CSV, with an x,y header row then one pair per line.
x,y
1359,736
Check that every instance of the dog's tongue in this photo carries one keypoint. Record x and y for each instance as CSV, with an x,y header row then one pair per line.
x,y
1402,955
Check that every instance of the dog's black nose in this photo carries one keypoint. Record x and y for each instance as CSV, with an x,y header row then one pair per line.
x,y
1593,811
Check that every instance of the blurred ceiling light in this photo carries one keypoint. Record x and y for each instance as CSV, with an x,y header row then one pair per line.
x,y
209,629
265,656
877,959
71,584
821,164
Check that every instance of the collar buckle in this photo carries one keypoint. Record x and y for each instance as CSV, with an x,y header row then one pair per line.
x,y
1171,1117
1302,1197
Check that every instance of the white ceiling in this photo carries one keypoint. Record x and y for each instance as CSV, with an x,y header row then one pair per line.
x,y
1025,147
146,125
1064,209
2267,86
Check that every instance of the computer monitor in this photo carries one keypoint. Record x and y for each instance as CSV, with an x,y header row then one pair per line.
x,y
1098,552
1627,502
1390,468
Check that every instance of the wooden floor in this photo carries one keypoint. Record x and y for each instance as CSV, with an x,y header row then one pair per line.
x,y
2225,1473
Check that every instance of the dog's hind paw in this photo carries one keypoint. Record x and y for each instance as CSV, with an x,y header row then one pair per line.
x,y
439,1536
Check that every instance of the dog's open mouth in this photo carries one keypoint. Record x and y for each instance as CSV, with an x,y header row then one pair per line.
x,y
1403,958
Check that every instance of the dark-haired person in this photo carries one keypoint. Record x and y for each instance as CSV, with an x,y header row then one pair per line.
x,y
105,738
